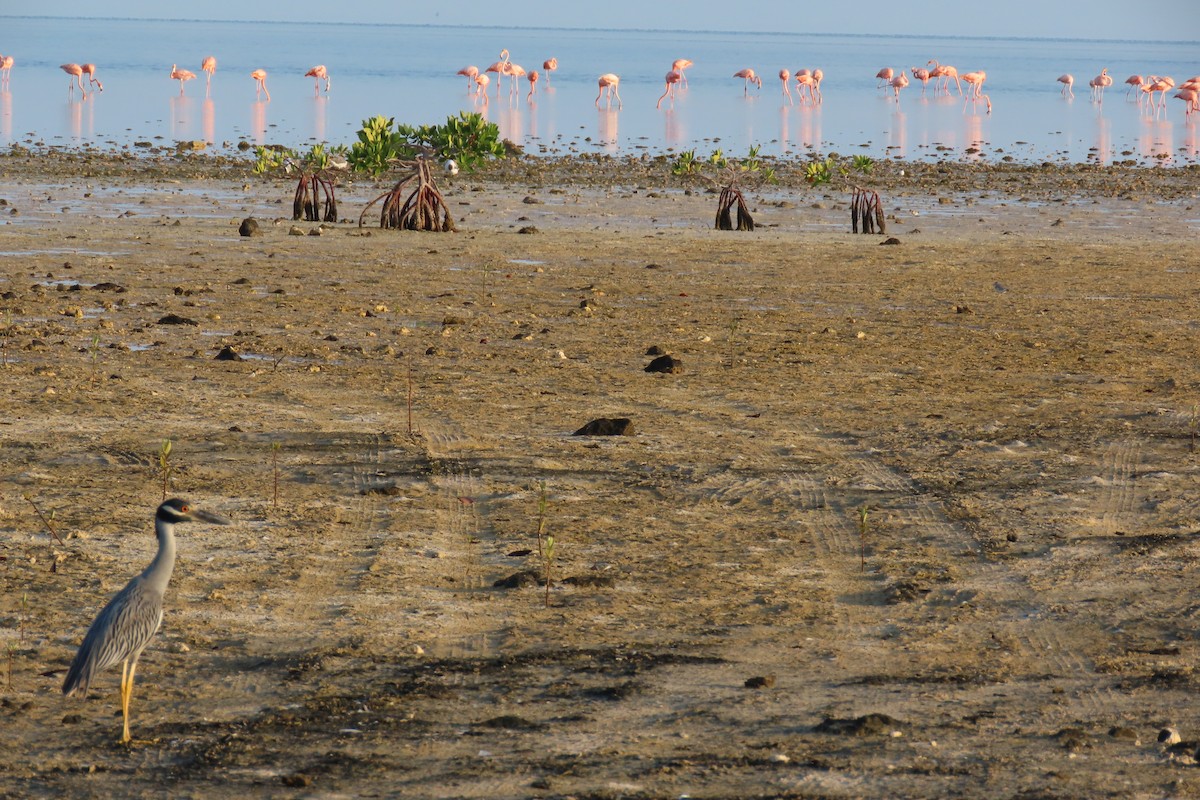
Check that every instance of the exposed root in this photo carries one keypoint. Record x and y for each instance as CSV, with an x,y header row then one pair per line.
x,y
730,195
866,207
308,194
423,209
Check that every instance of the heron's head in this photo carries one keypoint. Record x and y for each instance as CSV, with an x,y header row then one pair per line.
x,y
175,510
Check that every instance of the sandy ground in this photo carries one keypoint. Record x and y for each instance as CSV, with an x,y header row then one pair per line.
x,y
1009,395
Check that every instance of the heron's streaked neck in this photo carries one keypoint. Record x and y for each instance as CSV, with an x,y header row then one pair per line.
x,y
159,572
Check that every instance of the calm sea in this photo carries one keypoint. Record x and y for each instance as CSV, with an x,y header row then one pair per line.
x,y
408,72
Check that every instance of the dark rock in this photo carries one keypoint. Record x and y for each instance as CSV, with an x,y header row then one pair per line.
x,y
175,319
590,581
655,350
760,682
228,354
669,364
249,227
529,229
511,722
530,200
604,426
890,240
521,580
867,725
296,781
109,287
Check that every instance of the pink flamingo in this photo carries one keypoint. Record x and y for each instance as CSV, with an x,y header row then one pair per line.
x,y
1162,86
181,75
679,65
1134,82
749,76
208,66
515,72
609,83
885,76
921,74
899,82
784,77
1099,83
533,79
76,72
548,66
481,83
500,68
975,81
6,65
260,81
90,71
1192,98
470,71
818,75
318,74
944,72
673,77
1067,80
805,80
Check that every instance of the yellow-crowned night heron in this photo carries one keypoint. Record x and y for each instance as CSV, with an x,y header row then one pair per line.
x,y
127,624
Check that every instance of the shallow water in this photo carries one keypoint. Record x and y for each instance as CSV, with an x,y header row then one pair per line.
x,y
408,72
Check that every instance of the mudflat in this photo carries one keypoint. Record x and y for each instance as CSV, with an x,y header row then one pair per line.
x,y
917,519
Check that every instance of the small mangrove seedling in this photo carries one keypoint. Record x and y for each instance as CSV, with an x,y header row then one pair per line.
x,y
863,525
47,521
545,540
94,350
164,465
275,474
1192,425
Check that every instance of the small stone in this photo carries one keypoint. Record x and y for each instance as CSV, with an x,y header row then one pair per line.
x,y
890,240
296,230
528,229
1169,736
228,354
605,426
760,682
249,227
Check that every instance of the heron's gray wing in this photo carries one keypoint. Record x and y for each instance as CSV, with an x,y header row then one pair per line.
x,y
120,631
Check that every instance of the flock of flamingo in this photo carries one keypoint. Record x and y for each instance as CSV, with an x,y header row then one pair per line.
x,y
807,82
1189,90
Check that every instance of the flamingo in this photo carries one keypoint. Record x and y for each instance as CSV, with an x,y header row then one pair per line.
x,y
1192,99
899,82
818,76
515,72
260,80
749,76
679,65
784,77
181,75
1067,80
945,72
6,65
975,82
885,76
1162,86
90,71
805,80
1134,82
609,83
481,83
318,74
208,66
76,72
673,77
470,71
921,74
548,66
533,79
1099,83
500,68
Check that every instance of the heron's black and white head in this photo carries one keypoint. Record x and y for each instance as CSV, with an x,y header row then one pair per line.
x,y
175,510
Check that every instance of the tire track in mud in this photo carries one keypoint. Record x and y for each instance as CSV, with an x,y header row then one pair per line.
x,y
1119,479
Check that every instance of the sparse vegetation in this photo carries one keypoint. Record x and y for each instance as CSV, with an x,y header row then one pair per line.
x,y
164,465
731,175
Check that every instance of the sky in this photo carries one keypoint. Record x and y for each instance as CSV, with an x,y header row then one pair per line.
x,y
1167,20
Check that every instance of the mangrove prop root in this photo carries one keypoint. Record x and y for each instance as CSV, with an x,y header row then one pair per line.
x,y
866,207
307,202
729,196
419,209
